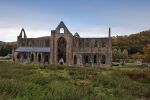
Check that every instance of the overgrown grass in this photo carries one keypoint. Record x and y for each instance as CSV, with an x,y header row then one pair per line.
x,y
53,82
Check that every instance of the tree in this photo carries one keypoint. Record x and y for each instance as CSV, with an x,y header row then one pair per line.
x,y
124,55
136,56
147,53
115,54
119,54
5,50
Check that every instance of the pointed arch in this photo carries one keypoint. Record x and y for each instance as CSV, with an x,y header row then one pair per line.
x,y
61,30
32,57
103,43
95,59
61,51
103,59
96,44
39,57
62,25
76,35
18,56
86,59
75,59
23,33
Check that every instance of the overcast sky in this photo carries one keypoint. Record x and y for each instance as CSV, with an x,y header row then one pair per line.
x,y
90,18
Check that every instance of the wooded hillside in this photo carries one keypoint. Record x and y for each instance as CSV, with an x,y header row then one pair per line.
x,y
133,43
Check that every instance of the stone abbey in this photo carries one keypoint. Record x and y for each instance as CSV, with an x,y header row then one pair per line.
x,y
62,47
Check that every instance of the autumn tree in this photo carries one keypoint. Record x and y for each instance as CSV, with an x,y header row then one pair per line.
x,y
147,54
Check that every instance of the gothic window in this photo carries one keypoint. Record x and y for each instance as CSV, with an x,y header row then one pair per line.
x,y
46,58
39,57
86,59
23,44
95,60
75,59
61,49
76,35
103,61
96,44
87,44
80,44
18,56
61,30
103,44
47,43
76,44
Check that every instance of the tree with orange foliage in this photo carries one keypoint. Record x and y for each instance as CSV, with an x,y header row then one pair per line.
x,y
147,53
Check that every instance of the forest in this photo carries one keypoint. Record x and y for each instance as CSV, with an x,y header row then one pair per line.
x,y
134,46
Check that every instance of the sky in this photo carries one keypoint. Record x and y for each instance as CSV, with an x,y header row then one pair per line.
x,y
90,18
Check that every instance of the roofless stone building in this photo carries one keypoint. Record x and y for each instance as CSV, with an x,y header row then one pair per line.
x,y
63,48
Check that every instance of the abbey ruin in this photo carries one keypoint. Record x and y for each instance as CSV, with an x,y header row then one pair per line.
x,y
62,47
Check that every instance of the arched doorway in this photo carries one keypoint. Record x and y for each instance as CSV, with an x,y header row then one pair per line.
x,y
75,59
61,52
18,56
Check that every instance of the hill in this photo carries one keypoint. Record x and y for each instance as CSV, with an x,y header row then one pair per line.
x,y
2,43
6,47
133,43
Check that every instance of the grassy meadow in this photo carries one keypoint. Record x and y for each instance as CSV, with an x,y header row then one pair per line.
x,y
53,82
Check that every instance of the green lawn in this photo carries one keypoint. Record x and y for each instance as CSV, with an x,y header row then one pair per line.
x,y
33,82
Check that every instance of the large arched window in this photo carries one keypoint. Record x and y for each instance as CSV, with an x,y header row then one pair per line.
x,y
61,52
75,59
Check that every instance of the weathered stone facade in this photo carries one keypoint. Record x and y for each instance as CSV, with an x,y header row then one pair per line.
x,y
64,48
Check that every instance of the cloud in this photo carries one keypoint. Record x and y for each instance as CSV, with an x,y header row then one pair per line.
x,y
102,31
10,34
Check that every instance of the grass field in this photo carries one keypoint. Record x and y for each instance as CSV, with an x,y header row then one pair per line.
x,y
33,82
